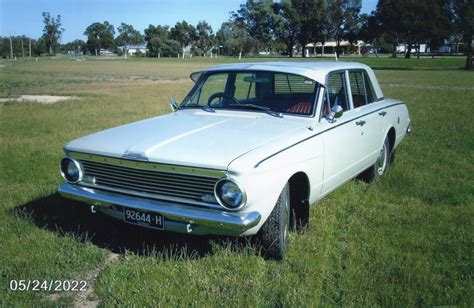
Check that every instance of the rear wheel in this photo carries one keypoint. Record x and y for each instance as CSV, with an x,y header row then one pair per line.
x,y
381,165
273,235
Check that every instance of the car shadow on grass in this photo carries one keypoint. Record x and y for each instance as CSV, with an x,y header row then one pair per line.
x,y
70,218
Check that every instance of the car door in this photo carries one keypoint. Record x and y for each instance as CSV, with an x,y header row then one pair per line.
x,y
342,137
368,119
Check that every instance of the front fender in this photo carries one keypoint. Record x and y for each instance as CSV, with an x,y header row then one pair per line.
x,y
263,182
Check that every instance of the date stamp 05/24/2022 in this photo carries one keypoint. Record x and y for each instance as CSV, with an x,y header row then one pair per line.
x,y
47,285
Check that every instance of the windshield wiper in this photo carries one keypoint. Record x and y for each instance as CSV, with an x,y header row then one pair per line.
x,y
263,108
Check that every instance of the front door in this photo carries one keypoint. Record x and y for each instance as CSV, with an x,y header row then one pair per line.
x,y
342,137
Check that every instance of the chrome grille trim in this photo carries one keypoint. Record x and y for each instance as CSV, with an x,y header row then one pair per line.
x,y
146,165
151,182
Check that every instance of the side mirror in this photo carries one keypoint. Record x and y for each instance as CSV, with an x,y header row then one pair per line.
x,y
336,112
174,104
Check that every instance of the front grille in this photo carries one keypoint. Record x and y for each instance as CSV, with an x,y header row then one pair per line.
x,y
148,181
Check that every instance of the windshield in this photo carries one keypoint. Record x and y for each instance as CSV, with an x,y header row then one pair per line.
x,y
254,90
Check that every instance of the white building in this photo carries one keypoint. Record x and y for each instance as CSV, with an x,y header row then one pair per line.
x,y
402,48
134,49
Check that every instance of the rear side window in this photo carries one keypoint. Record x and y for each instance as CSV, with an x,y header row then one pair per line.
x,y
358,89
362,92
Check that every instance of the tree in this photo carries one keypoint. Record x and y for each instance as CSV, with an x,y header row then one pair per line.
x,y
52,31
257,17
154,46
464,24
128,36
311,21
184,33
159,31
234,39
159,43
369,31
413,22
368,28
343,20
204,38
437,24
76,47
301,21
100,36
285,24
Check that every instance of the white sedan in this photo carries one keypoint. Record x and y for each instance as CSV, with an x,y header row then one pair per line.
x,y
249,149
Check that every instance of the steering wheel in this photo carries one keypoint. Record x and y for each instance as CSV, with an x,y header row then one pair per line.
x,y
220,95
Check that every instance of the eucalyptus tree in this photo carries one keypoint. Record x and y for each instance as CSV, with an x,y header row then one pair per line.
x,y
128,36
100,36
257,18
464,24
343,20
52,31
183,33
204,38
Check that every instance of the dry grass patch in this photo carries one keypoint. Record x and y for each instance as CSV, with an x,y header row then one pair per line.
x,y
42,99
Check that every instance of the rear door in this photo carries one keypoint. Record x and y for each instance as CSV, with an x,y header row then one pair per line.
x,y
369,120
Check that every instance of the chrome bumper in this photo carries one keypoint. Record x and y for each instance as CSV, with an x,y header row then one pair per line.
x,y
178,218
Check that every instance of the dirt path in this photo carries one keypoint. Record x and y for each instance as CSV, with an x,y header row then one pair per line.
x,y
88,298
42,99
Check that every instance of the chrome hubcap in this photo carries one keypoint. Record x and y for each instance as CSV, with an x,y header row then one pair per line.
x,y
382,160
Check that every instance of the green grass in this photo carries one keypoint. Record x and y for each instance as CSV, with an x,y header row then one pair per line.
x,y
405,240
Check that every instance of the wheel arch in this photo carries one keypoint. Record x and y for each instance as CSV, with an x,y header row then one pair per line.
x,y
391,138
299,200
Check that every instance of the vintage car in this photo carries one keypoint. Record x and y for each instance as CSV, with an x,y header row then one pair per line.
x,y
248,150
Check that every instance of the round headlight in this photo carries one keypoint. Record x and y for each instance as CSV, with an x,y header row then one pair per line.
x,y
229,194
71,170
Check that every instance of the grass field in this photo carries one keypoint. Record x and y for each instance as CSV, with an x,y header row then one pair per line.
x,y
405,240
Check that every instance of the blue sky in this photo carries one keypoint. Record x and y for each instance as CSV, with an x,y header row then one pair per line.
x,y
18,17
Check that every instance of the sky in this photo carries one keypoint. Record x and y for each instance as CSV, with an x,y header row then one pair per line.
x,y
23,17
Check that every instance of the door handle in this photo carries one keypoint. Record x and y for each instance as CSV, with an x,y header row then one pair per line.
x,y
361,122
383,113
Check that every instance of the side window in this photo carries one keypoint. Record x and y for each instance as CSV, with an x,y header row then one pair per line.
x,y
336,92
369,89
358,88
215,83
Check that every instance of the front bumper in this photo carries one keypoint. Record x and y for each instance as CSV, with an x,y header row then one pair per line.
x,y
178,218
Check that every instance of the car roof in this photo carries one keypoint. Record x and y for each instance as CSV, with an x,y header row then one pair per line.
x,y
316,70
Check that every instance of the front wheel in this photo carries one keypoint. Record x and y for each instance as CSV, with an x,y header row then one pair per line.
x,y
274,232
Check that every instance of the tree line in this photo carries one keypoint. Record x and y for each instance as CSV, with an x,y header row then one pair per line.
x,y
278,27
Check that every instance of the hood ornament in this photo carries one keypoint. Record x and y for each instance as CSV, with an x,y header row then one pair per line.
x,y
135,156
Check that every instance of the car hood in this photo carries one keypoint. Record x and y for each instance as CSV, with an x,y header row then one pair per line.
x,y
190,137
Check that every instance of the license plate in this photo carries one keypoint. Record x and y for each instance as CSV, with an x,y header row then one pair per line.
x,y
142,218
